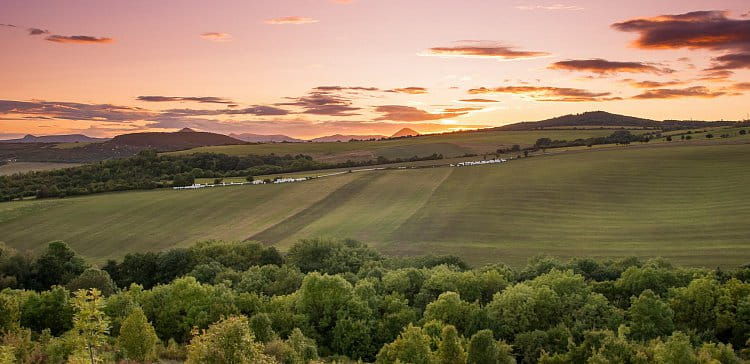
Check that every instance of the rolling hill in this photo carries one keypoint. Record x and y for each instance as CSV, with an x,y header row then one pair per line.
x,y
67,138
684,202
259,138
345,138
605,119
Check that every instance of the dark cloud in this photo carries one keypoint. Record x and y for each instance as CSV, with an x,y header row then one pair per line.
x,y
37,31
410,90
742,86
78,39
546,93
653,84
695,91
478,100
257,110
716,76
731,61
483,49
603,66
8,25
200,99
345,88
408,113
75,111
323,103
698,29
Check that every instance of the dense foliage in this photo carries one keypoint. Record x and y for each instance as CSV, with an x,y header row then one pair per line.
x,y
148,170
331,300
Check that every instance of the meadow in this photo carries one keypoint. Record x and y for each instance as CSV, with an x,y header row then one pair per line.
x,y
685,202
23,167
450,145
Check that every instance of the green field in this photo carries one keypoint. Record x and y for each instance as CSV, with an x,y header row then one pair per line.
x,y
688,203
23,167
450,145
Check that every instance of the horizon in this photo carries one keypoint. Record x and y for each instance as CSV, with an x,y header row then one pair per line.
x,y
312,68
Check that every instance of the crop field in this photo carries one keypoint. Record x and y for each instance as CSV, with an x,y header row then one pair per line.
x,y
450,145
23,167
688,203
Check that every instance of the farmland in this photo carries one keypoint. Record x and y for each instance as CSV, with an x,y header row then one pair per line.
x,y
23,167
690,201
450,145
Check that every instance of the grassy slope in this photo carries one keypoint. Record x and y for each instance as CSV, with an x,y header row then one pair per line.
x,y
688,203
23,167
450,145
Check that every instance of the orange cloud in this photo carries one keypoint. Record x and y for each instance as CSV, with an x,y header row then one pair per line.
x,y
478,100
483,49
291,20
408,113
410,90
731,61
695,91
546,93
78,39
653,84
217,37
602,66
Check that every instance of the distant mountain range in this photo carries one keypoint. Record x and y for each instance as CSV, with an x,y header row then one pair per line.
x,y
405,132
67,138
605,119
260,138
345,138
183,139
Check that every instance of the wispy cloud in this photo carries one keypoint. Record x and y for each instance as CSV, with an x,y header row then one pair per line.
x,y
483,49
478,100
410,90
695,91
549,7
731,61
291,20
37,31
547,93
200,99
217,36
412,114
78,39
605,67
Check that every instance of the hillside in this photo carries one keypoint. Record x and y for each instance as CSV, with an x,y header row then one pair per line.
x,y
68,138
405,132
259,138
605,119
690,204
172,141
345,138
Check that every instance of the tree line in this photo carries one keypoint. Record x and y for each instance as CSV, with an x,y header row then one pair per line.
x,y
149,170
339,300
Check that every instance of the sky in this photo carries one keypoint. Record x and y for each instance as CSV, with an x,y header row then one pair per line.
x,y
307,68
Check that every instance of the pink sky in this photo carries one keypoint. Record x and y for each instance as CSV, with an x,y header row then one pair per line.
x,y
307,68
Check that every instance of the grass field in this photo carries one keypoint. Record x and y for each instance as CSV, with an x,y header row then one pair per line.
x,y
688,203
23,167
450,145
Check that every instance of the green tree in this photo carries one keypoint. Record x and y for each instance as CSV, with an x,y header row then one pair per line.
x,y
649,316
48,310
483,349
90,325
228,341
676,350
411,346
93,278
137,337
57,265
450,349
260,324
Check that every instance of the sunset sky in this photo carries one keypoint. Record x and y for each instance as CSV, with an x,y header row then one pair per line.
x,y
307,68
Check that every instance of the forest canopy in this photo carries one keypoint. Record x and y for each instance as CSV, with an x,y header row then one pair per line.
x,y
340,300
